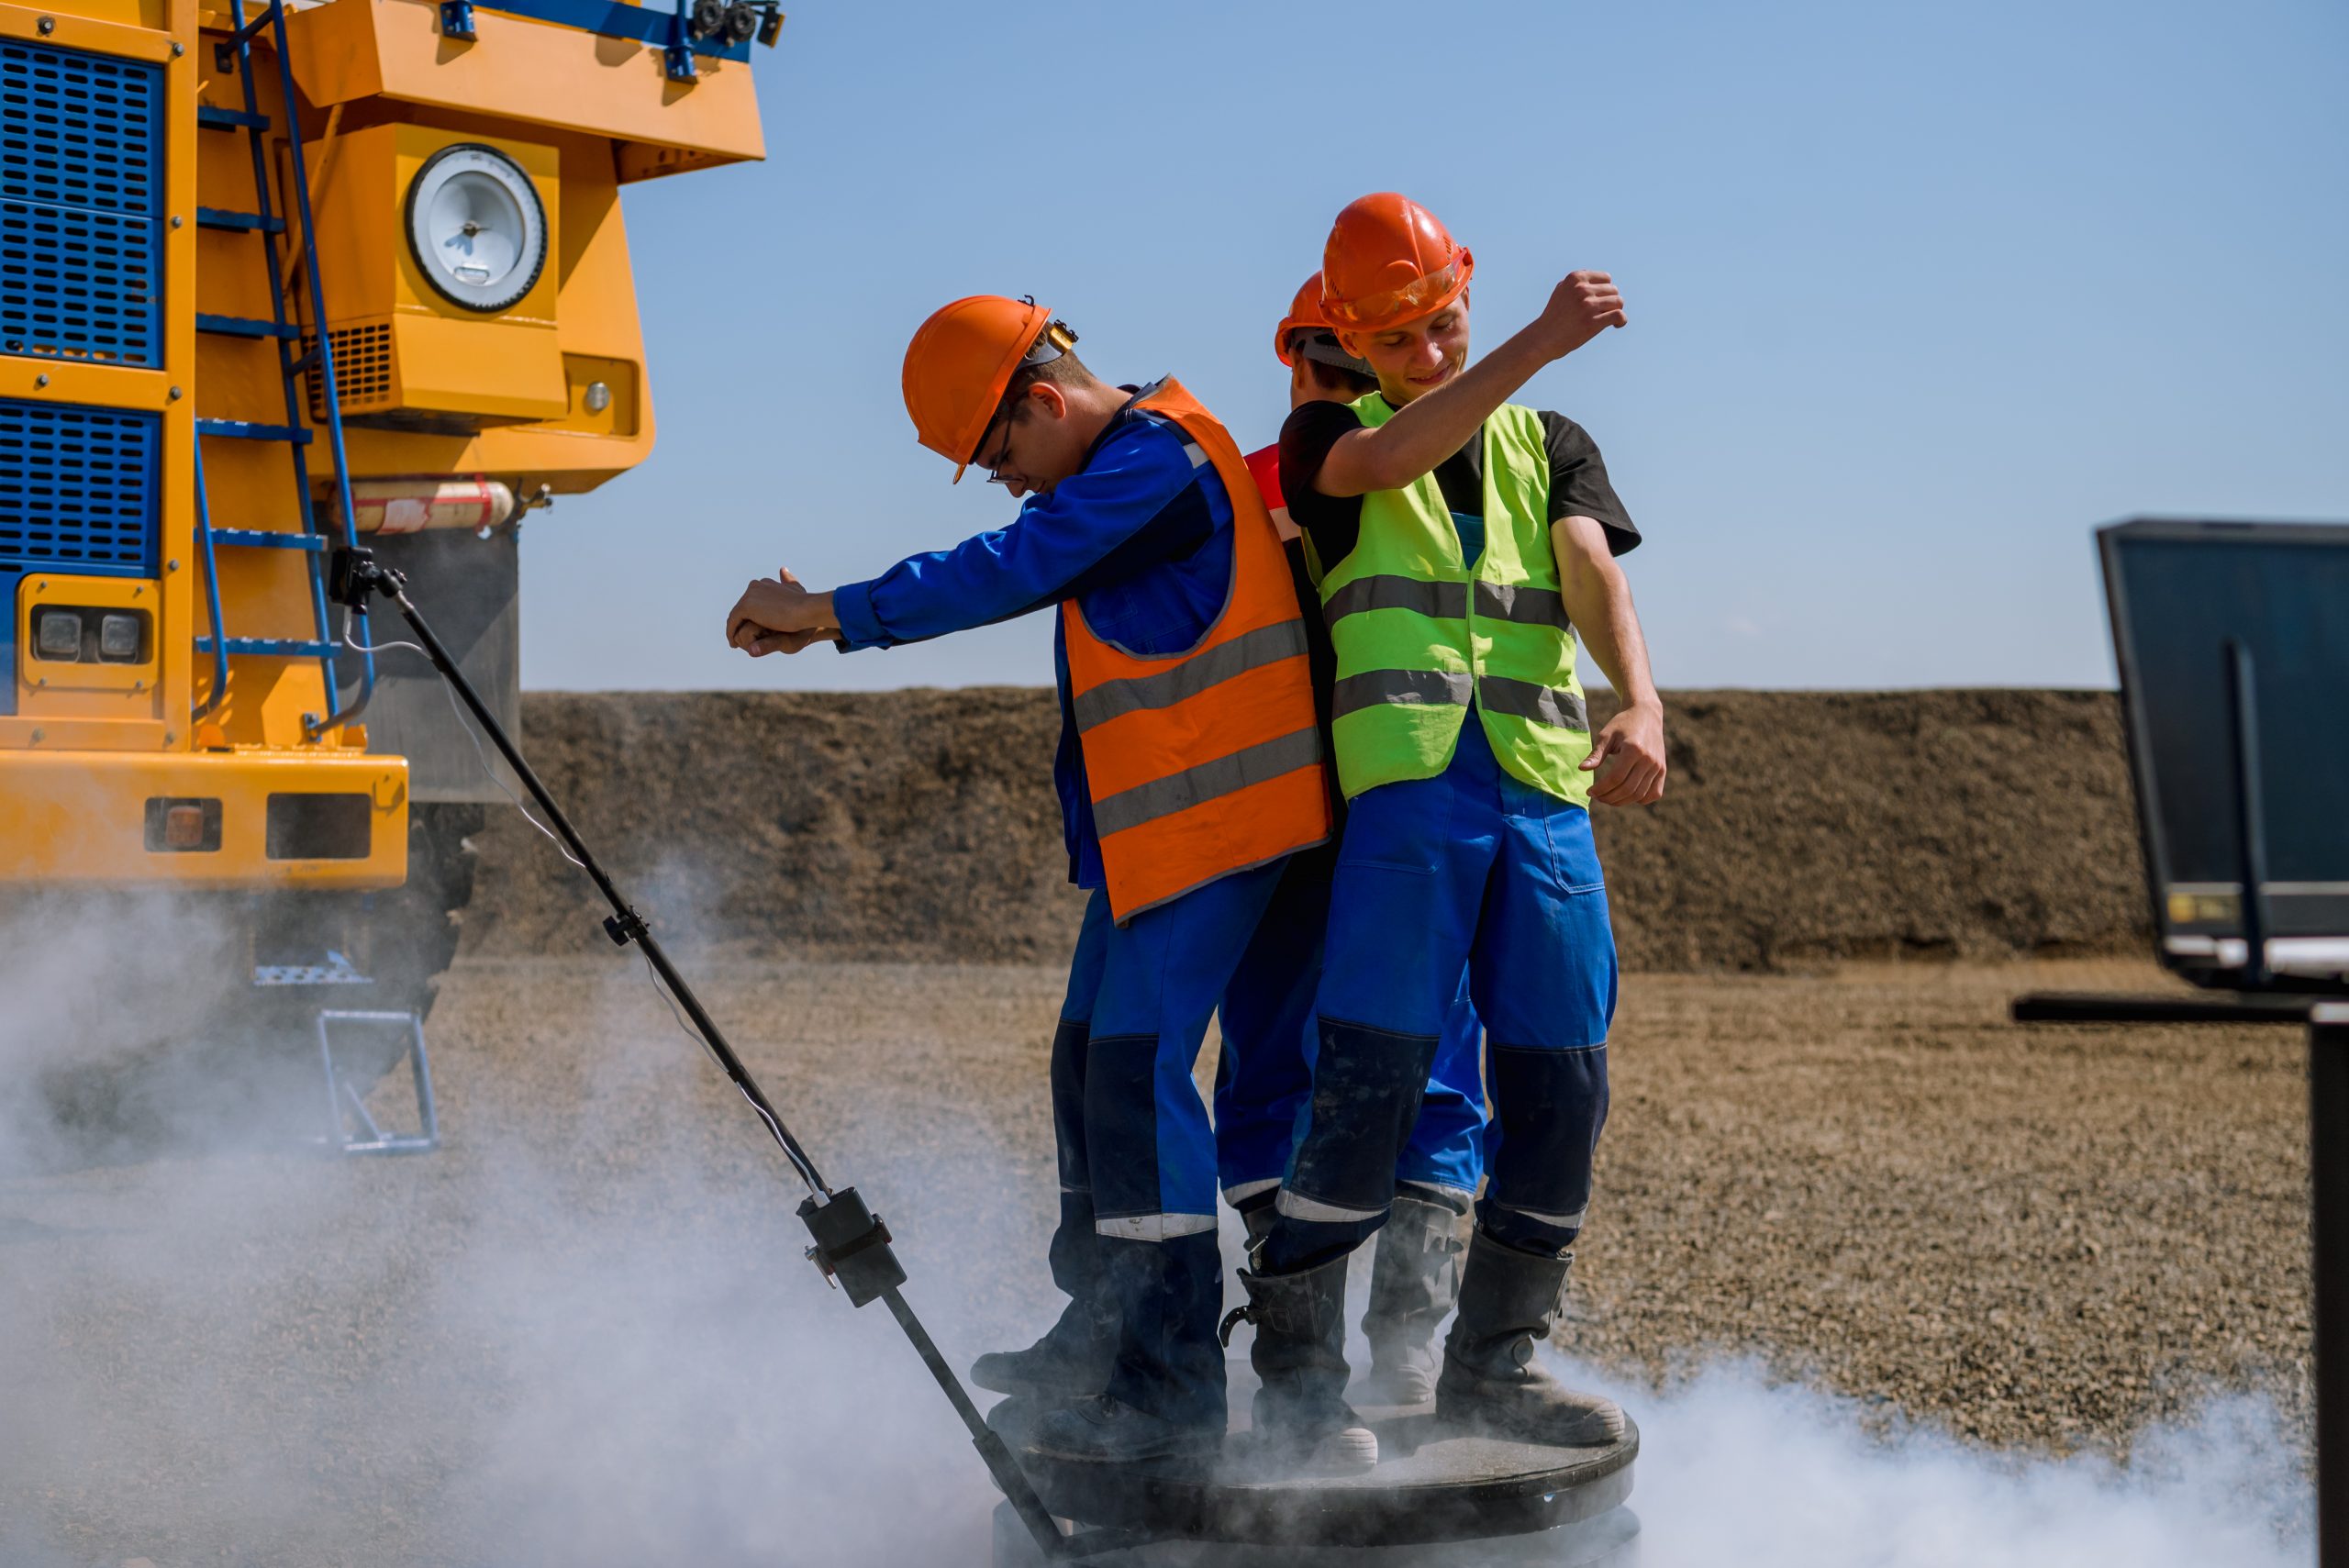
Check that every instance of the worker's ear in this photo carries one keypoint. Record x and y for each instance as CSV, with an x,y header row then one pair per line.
x,y
1051,401
1351,344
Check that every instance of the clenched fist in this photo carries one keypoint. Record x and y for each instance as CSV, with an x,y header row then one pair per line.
x,y
1580,307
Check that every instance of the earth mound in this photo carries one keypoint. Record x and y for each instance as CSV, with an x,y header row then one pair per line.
x,y
1798,828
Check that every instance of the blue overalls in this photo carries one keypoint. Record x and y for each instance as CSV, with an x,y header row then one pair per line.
x,y
1473,867
1270,1042
1142,537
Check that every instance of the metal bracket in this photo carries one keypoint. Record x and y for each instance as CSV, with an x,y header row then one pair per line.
x,y
351,1126
677,63
457,21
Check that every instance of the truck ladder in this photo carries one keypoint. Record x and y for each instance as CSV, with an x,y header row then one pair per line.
x,y
283,332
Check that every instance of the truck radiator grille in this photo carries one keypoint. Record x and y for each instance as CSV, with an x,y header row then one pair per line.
x,y
80,205
362,369
78,488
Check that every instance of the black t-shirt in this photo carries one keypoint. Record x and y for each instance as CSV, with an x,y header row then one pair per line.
x,y
1578,483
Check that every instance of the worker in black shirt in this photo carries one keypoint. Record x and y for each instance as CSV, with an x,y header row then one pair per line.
x,y
1459,542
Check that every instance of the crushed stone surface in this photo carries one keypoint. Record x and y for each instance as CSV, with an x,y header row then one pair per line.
x,y
584,1326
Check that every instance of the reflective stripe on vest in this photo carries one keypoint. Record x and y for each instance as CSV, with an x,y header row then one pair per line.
x,y
1206,761
1422,635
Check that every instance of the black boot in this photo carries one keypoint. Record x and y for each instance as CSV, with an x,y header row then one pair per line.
x,y
1508,1299
1302,1419
1071,1361
1073,1358
1414,1280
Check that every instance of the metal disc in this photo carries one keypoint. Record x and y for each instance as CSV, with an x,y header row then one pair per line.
x,y
477,227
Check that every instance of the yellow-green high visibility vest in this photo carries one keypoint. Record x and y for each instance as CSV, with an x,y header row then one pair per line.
x,y
1421,634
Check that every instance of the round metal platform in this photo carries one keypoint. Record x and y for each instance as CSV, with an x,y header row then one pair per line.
x,y
1436,1489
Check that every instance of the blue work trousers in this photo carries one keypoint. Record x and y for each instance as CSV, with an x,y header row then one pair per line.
x,y
1270,1043
1137,1157
1471,867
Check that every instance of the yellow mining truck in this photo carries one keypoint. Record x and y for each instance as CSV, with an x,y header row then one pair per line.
x,y
276,278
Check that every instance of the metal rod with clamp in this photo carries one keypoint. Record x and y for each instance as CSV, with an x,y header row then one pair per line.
x,y
852,1245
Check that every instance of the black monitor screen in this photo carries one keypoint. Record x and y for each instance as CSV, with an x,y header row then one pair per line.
x,y
2179,593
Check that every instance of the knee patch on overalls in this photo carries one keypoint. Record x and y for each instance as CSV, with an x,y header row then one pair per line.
x,y
1366,1089
1549,1105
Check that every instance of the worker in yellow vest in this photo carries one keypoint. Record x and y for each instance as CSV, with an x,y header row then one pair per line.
x,y
1269,1038
1190,767
1459,542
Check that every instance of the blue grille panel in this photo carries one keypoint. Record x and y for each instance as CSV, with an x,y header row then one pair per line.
x,y
78,488
81,205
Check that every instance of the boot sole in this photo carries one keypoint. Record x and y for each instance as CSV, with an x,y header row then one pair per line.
x,y
1353,1452
1000,1381
1596,1428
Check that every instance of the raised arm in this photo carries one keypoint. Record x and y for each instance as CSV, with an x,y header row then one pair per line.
x,y
1429,429
1627,755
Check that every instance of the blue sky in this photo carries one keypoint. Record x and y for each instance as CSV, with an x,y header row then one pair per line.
x,y
1919,294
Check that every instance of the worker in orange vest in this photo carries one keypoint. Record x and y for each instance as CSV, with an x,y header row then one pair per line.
x,y
1267,1016
1461,545
1190,768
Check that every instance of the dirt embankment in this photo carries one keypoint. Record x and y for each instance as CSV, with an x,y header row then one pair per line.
x,y
1798,828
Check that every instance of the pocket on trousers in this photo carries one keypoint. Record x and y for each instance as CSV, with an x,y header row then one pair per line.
x,y
1574,852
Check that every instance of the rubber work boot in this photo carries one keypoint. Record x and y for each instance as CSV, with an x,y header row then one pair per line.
x,y
1071,1361
1302,1419
1508,1299
1414,1280
1111,1431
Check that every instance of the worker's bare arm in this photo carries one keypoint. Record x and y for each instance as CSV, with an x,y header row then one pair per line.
x,y
1627,755
775,615
1430,428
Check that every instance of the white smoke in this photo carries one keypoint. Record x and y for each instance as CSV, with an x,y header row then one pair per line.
x,y
1736,1469
583,1335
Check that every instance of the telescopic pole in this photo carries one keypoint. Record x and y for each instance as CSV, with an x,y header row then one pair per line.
x,y
853,1246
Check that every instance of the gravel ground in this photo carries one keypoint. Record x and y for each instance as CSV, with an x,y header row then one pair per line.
x,y
581,1332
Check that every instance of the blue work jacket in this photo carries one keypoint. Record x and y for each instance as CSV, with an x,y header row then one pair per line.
x,y
1140,538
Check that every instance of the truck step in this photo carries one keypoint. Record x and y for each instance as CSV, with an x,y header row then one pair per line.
x,y
242,430
210,119
265,539
244,327
243,222
275,647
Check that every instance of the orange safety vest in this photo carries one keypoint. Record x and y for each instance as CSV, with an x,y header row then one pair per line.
x,y
1206,761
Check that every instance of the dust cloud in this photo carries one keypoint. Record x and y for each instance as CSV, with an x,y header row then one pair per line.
x,y
582,1334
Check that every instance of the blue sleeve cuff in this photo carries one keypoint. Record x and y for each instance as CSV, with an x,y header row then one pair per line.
x,y
852,606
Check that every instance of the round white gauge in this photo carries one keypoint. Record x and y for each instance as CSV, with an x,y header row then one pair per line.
x,y
476,226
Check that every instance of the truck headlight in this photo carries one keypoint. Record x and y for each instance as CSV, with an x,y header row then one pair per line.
x,y
58,634
118,639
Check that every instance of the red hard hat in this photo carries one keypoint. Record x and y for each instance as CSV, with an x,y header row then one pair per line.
x,y
1304,310
958,365
1389,261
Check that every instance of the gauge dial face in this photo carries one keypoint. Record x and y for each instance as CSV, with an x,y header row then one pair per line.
x,y
477,227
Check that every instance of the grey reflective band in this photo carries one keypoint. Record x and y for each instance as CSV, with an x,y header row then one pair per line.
x,y
1524,604
1208,781
1444,601
1154,1227
1552,705
1518,602
1250,650
1372,688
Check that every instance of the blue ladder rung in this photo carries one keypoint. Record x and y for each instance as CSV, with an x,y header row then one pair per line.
x,y
242,430
265,539
244,327
275,647
221,218
211,119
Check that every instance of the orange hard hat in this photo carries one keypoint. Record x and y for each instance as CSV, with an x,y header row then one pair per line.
x,y
961,361
1304,310
1389,260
